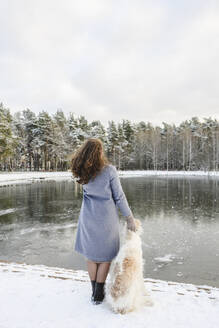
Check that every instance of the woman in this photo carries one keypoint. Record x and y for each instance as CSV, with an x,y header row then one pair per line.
x,y
98,225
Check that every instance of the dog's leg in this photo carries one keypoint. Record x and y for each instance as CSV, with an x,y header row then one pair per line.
x,y
123,279
146,295
144,290
120,286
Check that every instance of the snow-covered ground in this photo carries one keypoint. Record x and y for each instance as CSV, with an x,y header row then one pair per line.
x,y
11,178
37,296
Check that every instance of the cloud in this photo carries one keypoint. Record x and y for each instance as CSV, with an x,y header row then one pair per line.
x,y
142,60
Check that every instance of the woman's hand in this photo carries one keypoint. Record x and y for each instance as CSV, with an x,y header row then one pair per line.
x,y
131,223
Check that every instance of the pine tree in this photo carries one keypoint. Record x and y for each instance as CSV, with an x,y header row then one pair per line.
x,y
59,147
8,140
43,140
129,133
112,140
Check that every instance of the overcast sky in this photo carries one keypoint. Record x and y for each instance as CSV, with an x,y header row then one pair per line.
x,y
139,60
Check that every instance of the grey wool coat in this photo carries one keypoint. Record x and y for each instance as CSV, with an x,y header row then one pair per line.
x,y
97,235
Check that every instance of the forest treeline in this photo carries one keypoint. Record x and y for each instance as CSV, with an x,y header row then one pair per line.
x,y
46,142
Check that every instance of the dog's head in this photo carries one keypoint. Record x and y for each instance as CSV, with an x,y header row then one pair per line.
x,y
138,225
139,229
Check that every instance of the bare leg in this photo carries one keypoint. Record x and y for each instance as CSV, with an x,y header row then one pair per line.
x,y
92,269
102,271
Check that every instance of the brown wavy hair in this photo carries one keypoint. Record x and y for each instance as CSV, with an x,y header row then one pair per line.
x,y
88,160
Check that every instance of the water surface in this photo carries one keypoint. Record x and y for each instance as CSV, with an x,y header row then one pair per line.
x,y
180,219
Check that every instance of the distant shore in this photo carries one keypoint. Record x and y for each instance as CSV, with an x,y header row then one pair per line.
x,y
12,178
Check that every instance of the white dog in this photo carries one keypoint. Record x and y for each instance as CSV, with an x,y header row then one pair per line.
x,y
125,291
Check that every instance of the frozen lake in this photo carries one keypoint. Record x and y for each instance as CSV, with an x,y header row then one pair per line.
x,y
180,218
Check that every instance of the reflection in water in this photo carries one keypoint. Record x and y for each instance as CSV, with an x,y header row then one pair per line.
x,y
180,218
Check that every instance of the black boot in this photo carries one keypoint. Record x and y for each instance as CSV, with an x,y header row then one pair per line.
x,y
93,282
99,292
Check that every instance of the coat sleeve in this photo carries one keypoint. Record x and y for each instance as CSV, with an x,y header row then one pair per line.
x,y
118,194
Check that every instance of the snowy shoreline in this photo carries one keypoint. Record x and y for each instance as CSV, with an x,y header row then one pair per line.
x,y
42,296
12,178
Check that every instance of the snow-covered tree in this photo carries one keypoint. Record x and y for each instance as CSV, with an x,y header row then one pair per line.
x,y
112,137
43,142
7,138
